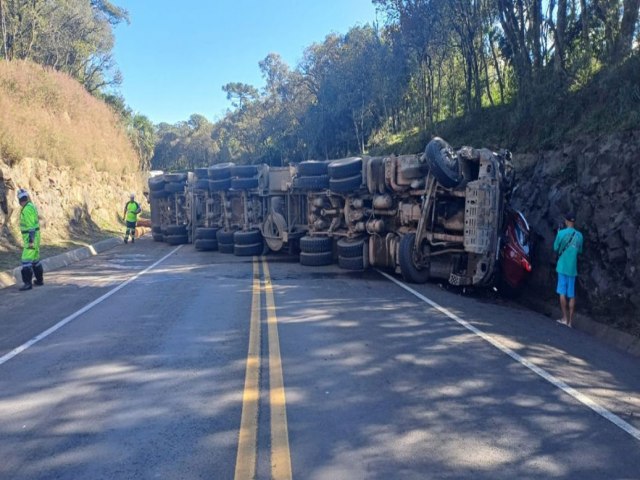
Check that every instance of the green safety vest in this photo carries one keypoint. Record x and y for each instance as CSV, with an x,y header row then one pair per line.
x,y
29,219
133,209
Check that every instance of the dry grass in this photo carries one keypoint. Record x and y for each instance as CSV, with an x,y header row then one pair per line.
x,y
48,115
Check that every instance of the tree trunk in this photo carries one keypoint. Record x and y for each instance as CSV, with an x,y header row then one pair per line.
x,y
624,40
560,35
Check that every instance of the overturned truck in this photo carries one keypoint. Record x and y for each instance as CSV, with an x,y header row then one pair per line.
x,y
441,214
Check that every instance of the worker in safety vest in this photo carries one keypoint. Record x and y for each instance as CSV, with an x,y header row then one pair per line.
x,y
130,216
30,230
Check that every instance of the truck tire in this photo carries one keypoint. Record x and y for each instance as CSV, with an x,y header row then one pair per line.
x,y
345,185
205,244
250,237
248,250
316,259
345,167
158,194
244,183
317,182
220,171
174,187
352,263
176,239
351,248
219,185
225,247
316,244
175,177
156,184
201,185
202,173
205,233
410,271
244,171
175,230
311,168
224,237
443,163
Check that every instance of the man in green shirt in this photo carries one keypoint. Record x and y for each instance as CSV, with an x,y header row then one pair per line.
x,y
130,216
30,230
568,245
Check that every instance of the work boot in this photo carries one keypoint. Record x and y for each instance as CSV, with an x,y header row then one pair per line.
x,y
27,275
126,239
38,272
133,239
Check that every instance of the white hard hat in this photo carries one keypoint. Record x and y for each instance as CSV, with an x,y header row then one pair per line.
x,y
22,193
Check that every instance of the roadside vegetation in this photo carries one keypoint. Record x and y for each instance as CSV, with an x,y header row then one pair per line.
x,y
44,112
499,73
48,115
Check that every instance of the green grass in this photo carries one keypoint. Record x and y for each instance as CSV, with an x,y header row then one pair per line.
x,y
608,103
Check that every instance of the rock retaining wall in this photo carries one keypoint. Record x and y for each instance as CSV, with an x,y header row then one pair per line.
x,y
70,203
599,179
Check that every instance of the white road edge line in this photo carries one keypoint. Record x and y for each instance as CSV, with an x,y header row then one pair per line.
x,y
16,351
612,417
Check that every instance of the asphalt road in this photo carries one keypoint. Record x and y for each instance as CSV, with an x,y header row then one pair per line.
x,y
150,362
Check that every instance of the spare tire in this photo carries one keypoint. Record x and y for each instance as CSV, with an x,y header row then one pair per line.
x,y
443,163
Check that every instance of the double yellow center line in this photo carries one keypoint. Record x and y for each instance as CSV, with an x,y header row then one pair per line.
x,y
248,439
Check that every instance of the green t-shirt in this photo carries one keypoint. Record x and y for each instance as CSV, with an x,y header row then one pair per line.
x,y
569,242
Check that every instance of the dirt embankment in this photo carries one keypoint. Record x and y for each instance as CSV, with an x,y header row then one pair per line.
x,y
69,150
599,179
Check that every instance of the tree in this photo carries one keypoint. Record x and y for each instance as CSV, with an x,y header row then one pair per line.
x,y
73,36
240,93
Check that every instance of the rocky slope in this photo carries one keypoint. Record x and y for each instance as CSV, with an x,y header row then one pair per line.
x,y
598,178
70,204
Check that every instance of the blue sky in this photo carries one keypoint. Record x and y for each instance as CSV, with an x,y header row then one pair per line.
x,y
176,56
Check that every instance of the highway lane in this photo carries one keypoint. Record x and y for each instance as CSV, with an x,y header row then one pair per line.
x,y
151,382
381,385
146,384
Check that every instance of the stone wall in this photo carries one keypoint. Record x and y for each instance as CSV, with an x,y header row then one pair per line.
x,y
71,204
599,179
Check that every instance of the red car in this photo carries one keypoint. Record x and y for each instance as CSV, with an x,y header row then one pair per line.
x,y
515,253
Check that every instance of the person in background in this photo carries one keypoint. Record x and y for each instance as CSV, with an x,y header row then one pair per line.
x,y
30,230
568,245
130,216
